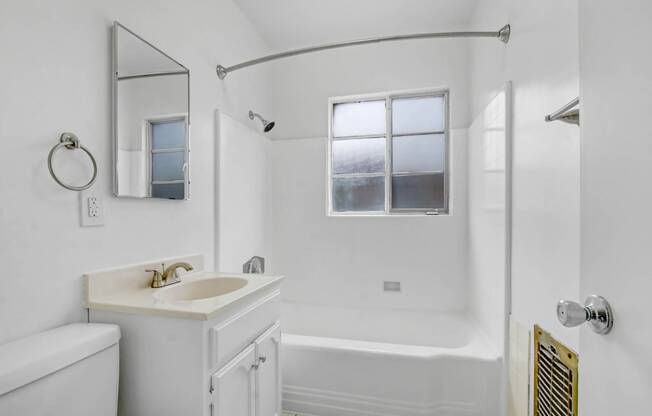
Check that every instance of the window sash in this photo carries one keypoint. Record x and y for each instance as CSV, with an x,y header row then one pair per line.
x,y
149,124
388,174
167,182
161,151
170,150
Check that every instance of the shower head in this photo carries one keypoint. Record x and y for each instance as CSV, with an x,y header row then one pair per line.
x,y
267,125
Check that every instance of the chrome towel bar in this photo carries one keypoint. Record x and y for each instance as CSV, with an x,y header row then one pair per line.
x,y
567,114
71,141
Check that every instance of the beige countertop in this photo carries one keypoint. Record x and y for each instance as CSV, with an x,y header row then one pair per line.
x,y
127,290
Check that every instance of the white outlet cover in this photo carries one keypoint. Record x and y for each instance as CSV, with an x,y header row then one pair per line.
x,y
91,209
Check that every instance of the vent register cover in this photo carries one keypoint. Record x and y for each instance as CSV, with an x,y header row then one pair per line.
x,y
555,376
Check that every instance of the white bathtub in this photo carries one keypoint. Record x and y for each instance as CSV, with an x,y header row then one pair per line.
x,y
355,362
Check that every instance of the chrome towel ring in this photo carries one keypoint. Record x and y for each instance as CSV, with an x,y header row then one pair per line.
x,y
71,141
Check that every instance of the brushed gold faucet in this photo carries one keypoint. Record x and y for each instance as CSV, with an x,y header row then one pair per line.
x,y
168,276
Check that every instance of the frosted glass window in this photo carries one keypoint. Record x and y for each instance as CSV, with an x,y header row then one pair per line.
x,y
358,156
418,115
359,119
415,178
426,152
169,135
168,166
418,192
359,194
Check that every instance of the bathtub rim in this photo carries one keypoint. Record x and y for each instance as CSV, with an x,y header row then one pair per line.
x,y
476,348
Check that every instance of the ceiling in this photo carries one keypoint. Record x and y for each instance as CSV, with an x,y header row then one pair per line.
x,y
292,23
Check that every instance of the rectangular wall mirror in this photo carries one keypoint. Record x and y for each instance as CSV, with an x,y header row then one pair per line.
x,y
151,120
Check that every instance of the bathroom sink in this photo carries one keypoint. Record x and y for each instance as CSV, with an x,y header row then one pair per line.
x,y
201,289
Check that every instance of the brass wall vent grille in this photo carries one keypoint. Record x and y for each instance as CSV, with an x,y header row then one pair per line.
x,y
555,377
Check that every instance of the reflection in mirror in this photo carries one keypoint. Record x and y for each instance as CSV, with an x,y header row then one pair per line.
x,y
151,120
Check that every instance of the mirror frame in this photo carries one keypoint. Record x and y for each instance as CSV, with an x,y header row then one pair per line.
x,y
114,112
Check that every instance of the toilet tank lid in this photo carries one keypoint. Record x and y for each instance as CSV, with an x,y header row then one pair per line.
x,y
28,359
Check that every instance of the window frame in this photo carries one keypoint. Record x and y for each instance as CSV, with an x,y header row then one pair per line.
x,y
388,136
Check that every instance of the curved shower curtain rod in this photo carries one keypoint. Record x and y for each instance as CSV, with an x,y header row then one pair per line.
x,y
503,35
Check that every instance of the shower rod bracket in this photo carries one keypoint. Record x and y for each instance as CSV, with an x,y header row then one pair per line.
x,y
221,72
505,33
502,35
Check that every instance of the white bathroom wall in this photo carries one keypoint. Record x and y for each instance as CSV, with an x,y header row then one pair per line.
x,y
303,84
344,261
487,192
541,60
244,214
55,76
338,20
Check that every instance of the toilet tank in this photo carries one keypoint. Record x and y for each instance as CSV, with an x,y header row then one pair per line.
x,y
71,370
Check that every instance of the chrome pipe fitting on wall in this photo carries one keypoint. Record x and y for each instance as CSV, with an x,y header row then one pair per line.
x,y
255,265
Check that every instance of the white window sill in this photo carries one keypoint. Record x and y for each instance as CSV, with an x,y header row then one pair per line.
x,y
388,215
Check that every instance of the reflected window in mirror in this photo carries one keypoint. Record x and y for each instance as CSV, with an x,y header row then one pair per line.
x,y
167,140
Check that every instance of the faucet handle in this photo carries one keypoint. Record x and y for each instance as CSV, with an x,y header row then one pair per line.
x,y
157,271
157,278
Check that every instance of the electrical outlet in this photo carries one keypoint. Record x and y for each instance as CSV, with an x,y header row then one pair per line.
x,y
91,209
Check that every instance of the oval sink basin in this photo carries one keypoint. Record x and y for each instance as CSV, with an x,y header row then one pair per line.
x,y
201,289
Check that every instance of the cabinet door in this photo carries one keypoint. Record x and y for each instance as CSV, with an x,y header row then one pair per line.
x,y
233,386
268,375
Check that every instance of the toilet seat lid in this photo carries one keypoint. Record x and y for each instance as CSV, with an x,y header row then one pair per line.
x,y
29,359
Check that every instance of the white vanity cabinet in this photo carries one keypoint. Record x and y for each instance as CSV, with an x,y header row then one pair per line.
x,y
250,384
268,373
225,365
233,387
